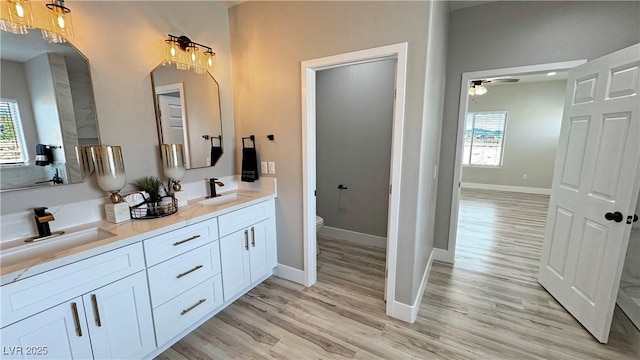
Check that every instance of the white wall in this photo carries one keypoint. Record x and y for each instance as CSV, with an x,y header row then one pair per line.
x,y
534,115
354,116
506,34
124,42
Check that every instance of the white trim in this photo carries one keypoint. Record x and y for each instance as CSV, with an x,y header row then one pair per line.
x,y
308,75
464,104
629,307
289,273
509,188
409,313
441,255
353,236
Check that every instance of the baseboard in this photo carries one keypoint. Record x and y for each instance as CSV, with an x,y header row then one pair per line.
x,y
353,236
409,313
629,307
520,189
441,255
289,273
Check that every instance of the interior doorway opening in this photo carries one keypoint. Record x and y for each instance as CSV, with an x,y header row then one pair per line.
x,y
309,70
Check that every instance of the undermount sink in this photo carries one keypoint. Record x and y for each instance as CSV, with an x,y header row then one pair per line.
x,y
225,199
15,251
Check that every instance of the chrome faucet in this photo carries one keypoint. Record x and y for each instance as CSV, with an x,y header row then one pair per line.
x,y
212,187
42,221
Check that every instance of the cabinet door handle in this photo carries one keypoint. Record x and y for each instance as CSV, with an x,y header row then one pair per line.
x,y
253,237
185,240
96,312
246,239
188,271
76,318
192,306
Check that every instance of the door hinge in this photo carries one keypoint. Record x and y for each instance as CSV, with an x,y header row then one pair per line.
x,y
390,185
315,193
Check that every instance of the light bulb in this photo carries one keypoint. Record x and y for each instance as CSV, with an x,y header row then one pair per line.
x,y
19,10
481,90
61,23
210,61
173,51
472,90
193,57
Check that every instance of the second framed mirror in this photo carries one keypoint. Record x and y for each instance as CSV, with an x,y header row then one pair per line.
x,y
187,107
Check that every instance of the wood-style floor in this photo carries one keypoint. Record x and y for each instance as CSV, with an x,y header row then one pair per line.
x,y
486,306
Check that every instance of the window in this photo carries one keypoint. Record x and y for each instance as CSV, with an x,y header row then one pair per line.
x,y
484,138
12,144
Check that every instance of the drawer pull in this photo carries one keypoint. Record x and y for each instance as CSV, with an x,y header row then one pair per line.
x,y
185,240
96,312
188,271
192,306
76,318
253,237
246,239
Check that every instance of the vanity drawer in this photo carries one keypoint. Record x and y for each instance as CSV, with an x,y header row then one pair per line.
x,y
174,243
187,309
240,219
37,293
172,277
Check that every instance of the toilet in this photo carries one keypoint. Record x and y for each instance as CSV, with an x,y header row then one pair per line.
x,y
319,223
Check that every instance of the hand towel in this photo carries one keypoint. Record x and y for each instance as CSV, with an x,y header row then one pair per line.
x,y
249,164
216,151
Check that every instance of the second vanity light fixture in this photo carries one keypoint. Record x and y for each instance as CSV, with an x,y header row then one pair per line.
x,y
17,16
189,55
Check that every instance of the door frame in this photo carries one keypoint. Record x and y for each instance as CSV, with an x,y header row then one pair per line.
x,y
462,113
171,88
309,69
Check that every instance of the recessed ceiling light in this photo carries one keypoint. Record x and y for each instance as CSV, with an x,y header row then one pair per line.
x,y
551,73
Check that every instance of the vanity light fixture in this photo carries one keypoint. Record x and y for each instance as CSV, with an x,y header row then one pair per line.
x,y
189,55
477,88
16,16
59,26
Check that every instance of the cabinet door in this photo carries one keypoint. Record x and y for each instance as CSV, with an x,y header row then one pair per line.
x,y
119,319
234,254
258,250
56,333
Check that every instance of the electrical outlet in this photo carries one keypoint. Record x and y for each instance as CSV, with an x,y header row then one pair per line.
x,y
263,167
272,167
524,176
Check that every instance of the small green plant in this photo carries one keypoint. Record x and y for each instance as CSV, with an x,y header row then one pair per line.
x,y
152,185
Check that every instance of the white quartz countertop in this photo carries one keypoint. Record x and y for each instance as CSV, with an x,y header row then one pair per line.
x,y
125,233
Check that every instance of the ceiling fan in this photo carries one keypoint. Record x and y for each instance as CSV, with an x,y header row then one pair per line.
x,y
477,87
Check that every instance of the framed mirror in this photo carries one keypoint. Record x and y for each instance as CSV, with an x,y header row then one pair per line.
x,y
47,112
188,113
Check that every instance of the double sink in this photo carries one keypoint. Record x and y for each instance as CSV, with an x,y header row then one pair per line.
x,y
19,250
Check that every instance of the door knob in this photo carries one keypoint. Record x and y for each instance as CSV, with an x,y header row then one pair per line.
x,y
616,216
635,218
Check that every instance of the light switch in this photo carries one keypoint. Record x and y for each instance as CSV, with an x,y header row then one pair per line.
x,y
272,167
263,167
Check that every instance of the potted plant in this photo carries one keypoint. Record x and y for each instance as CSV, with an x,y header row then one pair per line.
x,y
151,185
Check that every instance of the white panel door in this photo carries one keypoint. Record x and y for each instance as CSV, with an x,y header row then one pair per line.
x,y
119,319
56,333
595,189
234,256
258,250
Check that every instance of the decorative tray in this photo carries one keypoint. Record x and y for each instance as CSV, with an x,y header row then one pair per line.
x,y
153,210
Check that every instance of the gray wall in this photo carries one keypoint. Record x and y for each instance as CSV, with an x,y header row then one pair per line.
x,y
354,119
516,34
270,39
534,115
122,86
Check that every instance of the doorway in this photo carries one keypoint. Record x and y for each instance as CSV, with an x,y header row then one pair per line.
x,y
309,69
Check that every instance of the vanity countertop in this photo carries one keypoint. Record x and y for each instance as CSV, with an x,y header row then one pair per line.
x,y
125,233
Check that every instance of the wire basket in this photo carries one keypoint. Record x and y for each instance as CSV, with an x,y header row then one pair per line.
x,y
153,210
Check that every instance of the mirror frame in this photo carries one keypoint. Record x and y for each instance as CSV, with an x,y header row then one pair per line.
x,y
186,146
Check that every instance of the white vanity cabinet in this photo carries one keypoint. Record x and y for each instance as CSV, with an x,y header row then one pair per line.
x,y
103,316
184,280
248,247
